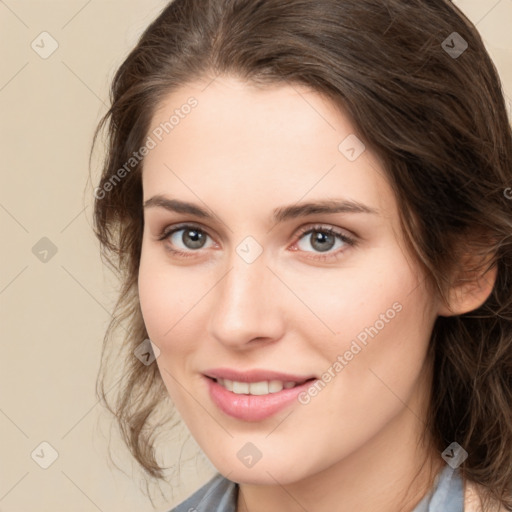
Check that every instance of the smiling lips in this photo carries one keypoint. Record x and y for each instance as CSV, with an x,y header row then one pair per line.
x,y
253,395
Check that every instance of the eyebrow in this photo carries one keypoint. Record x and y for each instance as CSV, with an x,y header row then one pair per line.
x,y
280,214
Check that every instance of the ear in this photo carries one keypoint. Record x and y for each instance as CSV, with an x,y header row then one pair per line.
x,y
471,287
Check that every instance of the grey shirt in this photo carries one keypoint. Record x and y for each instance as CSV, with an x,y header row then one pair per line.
x,y
220,495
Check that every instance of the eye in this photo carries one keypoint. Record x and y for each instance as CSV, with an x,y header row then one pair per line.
x,y
185,239
324,241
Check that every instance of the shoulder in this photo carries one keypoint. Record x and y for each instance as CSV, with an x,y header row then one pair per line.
x,y
472,494
218,494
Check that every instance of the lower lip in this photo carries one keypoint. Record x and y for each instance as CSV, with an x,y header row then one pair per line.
x,y
253,407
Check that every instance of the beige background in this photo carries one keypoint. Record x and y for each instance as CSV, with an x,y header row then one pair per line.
x,y
54,312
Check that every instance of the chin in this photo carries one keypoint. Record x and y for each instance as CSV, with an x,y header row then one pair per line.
x,y
261,473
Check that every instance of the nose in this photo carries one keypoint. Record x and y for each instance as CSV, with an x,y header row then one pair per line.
x,y
248,306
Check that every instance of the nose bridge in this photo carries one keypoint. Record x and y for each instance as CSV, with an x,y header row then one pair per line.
x,y
245,304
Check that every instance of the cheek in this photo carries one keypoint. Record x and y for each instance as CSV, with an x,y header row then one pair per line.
x,y
374,361
358,303
167,295
170,298
383,340
162,295
380,319
154,302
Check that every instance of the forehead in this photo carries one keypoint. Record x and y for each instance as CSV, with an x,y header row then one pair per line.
x,y
243,143
252,116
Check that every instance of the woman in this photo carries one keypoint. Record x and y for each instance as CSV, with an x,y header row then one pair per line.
x,y
306,202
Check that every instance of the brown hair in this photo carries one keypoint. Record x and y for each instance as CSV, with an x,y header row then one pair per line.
x,y
437,121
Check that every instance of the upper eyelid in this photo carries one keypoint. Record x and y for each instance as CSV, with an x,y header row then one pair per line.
x,y
177,227
325,227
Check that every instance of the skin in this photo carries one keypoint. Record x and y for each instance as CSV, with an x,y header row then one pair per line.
x,y
241,153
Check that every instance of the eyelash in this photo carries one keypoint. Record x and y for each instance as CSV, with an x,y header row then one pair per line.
x,y
167,232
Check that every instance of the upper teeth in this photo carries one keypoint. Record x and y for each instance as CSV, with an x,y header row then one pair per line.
x,y
255,388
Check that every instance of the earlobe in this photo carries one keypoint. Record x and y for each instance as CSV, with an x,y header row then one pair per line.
x,y
469,291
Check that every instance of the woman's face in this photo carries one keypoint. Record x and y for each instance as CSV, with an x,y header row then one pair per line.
x,y
291,266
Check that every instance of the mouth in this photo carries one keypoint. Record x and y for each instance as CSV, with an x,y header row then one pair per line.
x,y
256,400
